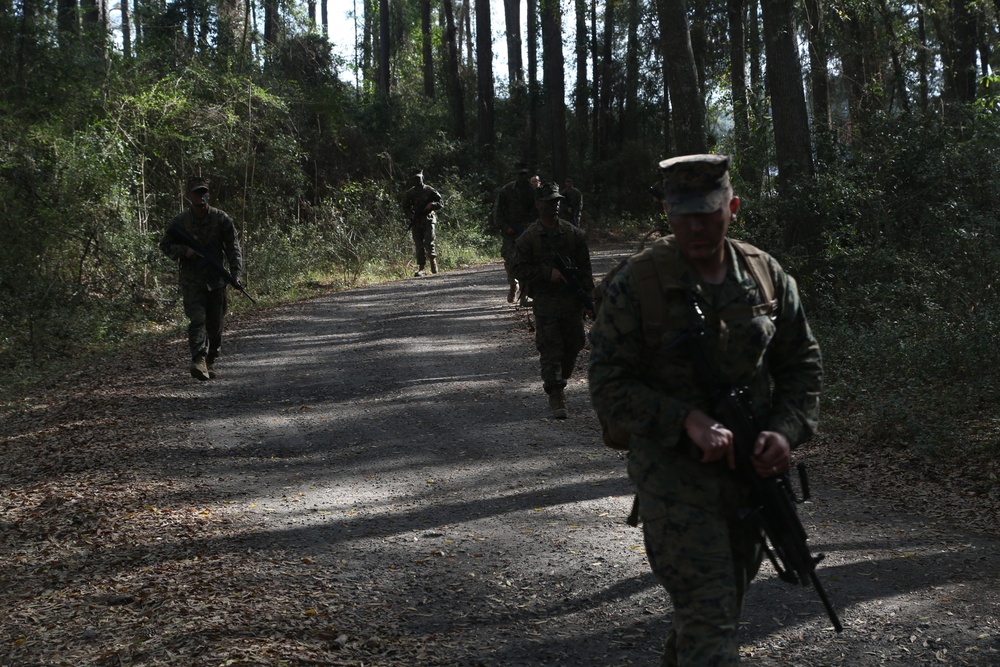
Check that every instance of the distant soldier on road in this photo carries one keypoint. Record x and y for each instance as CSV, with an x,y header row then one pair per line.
x,y
202,286
420,202
512,213
572,206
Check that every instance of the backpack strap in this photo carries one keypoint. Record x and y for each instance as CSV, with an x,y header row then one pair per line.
x,y
759,269
655,271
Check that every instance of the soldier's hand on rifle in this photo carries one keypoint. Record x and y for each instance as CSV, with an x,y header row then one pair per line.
x,y
191,253
772,454
713,439
556,276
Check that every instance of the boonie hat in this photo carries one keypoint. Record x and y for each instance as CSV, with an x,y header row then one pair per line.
x,y
196,183
695,183
547,191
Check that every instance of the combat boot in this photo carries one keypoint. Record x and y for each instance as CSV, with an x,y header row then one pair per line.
x,y
511,292
557,401
420,271
199,369
434,265
210,365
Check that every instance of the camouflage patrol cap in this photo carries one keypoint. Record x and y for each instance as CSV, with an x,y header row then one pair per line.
x,y
196,183
695,183
547,191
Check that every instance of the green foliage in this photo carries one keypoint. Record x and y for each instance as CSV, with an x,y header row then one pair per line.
x,y
904,296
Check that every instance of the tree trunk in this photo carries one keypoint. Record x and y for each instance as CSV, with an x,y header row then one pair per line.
x,y
555,87
515,64
960,77
741,109
126,30
687,104
630,119
192,15
923,66
368,42
596,82
466,32
532,151
383,49
603,109
271,21
819,79
455,99
428,47
862,79
699,42
899,76
581,93
68,23
484,79
95,26
788,111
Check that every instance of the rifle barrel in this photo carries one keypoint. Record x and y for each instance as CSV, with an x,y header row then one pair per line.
x,y
826,602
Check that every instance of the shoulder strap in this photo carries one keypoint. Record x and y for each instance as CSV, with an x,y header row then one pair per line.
x,y
656,272
757,264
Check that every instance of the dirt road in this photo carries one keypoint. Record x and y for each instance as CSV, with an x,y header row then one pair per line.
x,y
374,480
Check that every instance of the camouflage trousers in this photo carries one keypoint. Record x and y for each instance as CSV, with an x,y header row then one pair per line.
x,y
559,337
206,312
705,557
507,250
423,241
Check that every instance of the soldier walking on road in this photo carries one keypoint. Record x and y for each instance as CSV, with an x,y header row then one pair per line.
x,y
557,306
572,206
202,285
649,352
512,213
420,202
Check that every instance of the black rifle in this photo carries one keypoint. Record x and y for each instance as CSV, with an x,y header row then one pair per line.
x,y
205,257
572,276
772,499
435,199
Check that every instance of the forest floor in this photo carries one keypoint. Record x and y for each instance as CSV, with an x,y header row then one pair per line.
x,y
374,479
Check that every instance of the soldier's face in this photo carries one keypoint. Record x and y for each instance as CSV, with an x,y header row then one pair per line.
x,y
199,198
701,236
548,209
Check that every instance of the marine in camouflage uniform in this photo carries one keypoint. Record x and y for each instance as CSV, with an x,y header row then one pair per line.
x,y
572,206
558,310
420,202
202,287
513,211
644,381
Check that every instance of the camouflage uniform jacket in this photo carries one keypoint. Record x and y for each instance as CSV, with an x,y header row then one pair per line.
x,y
515,207
216,232
572,203
645,382
415,200
533,260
